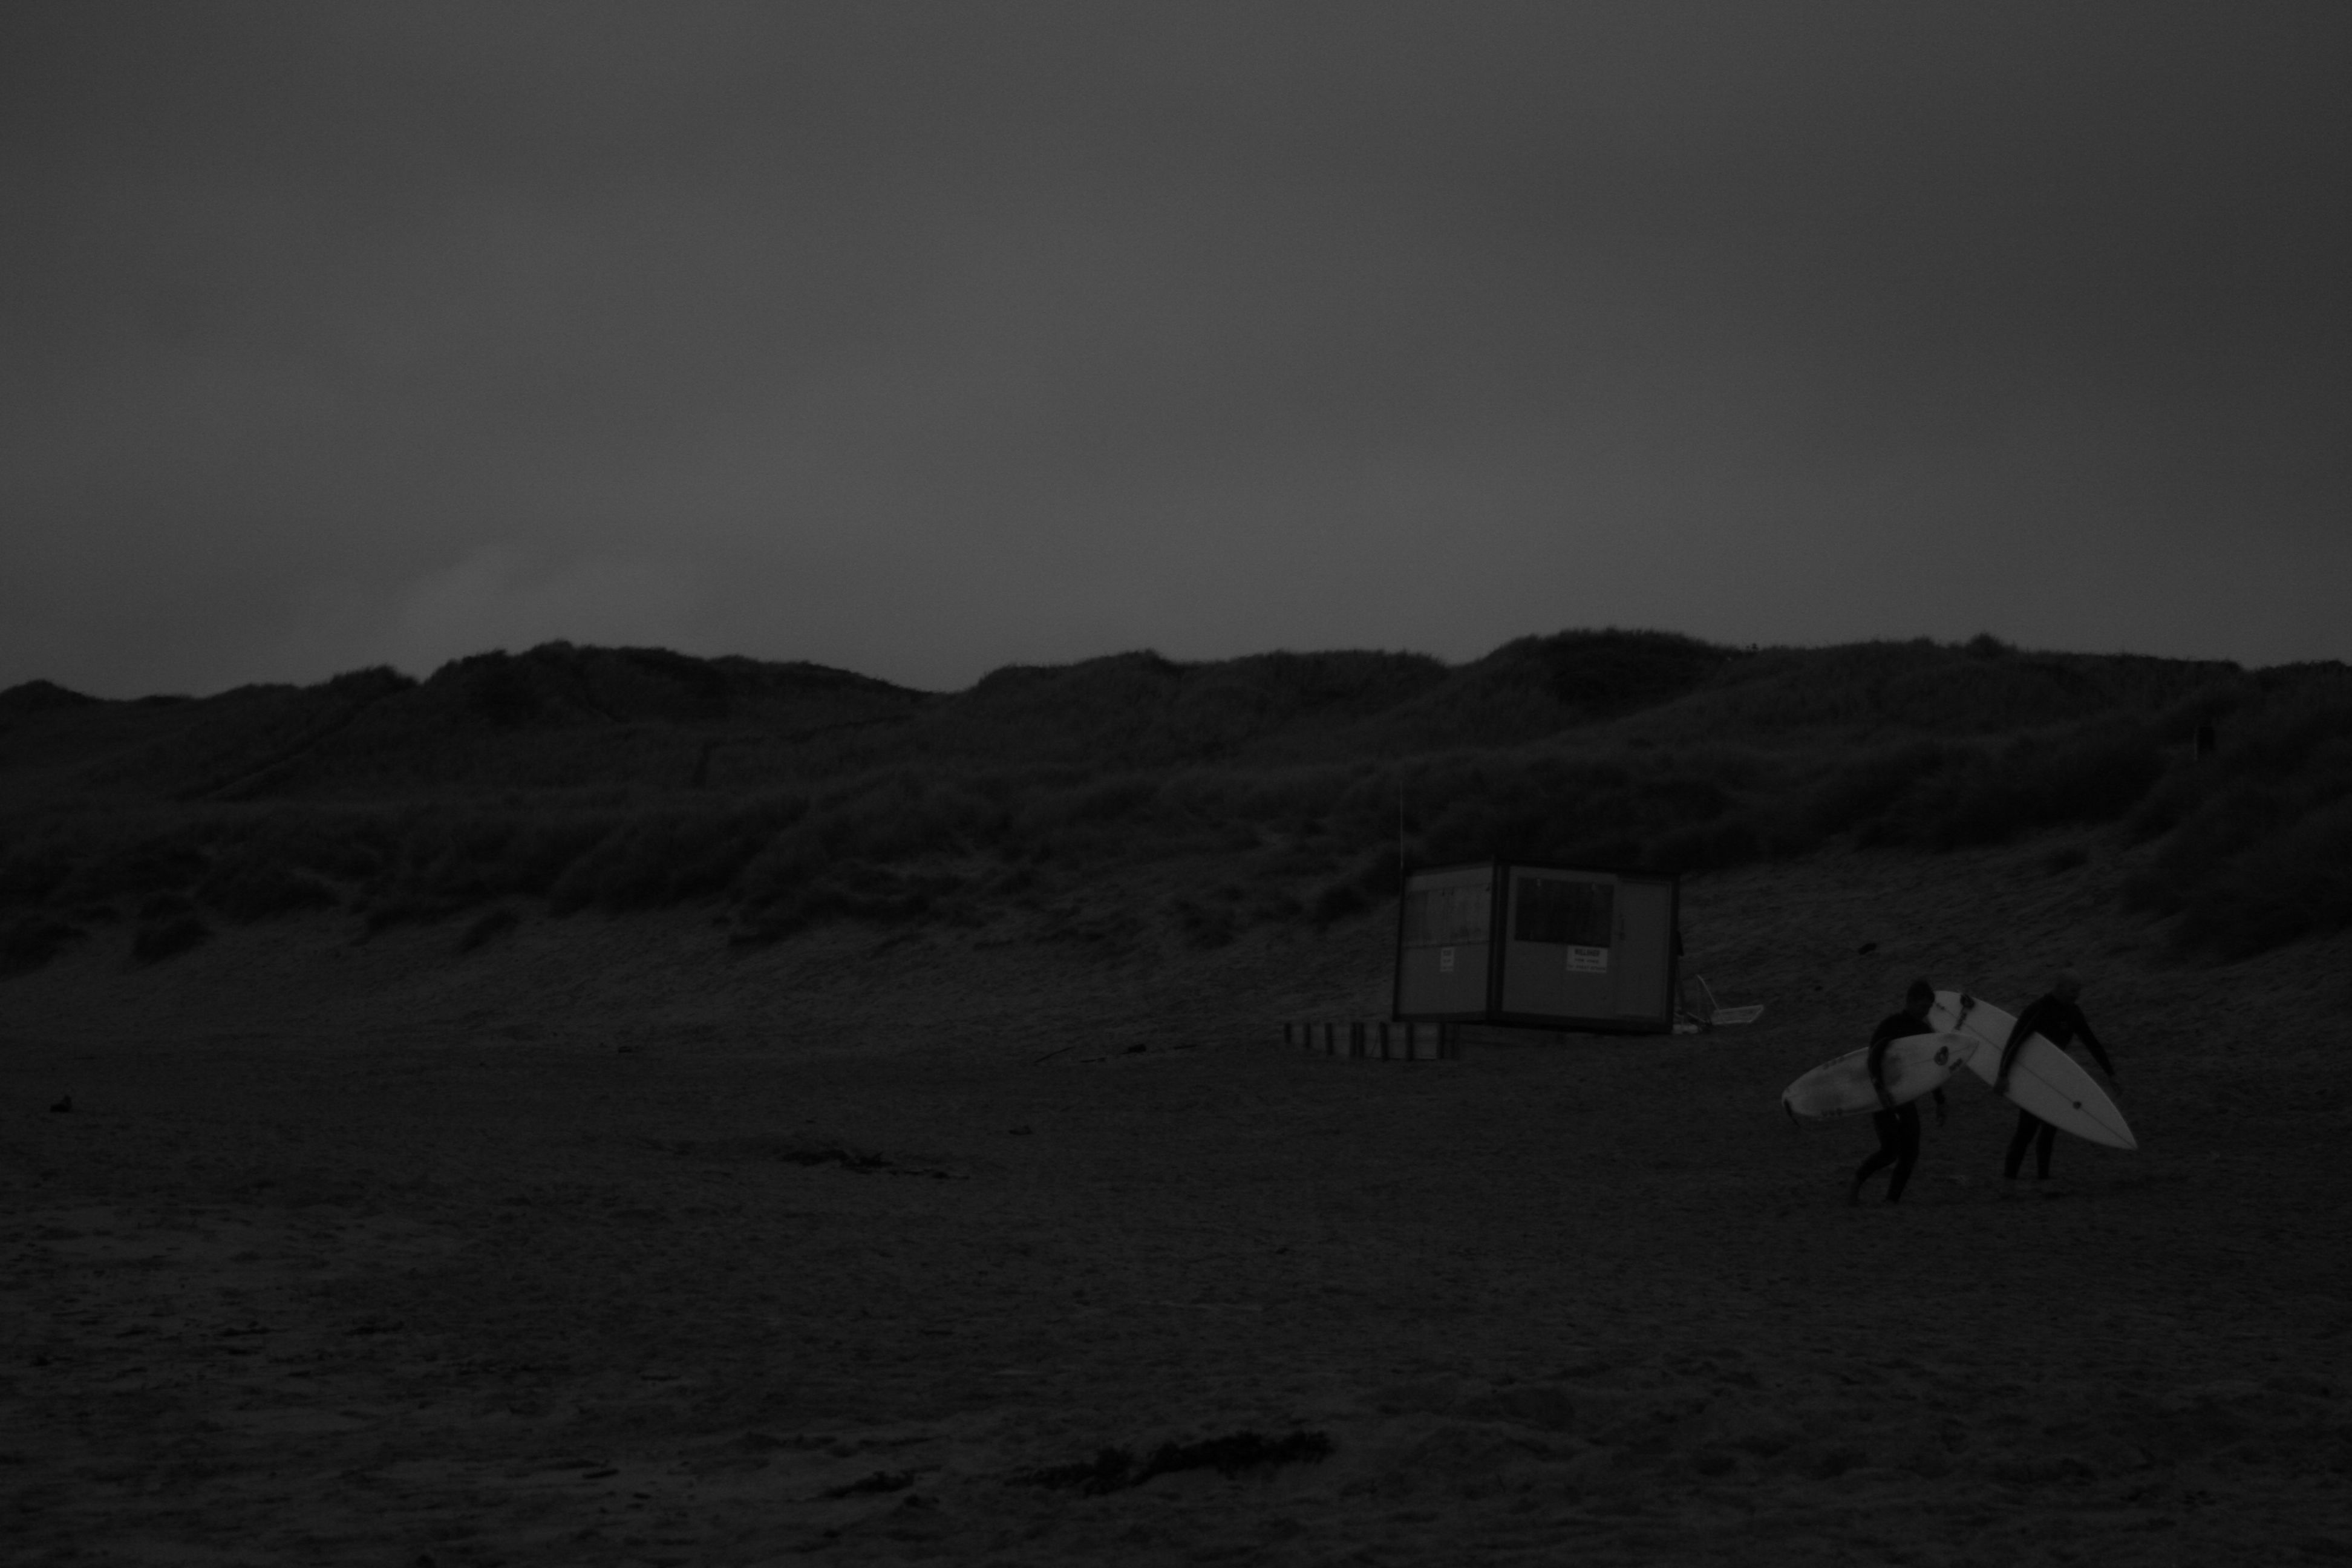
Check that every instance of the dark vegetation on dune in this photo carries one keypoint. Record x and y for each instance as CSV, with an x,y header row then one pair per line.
x,y
1267,788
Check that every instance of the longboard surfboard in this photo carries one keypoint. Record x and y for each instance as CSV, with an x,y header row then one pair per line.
x,y
1915,1065
2044,1080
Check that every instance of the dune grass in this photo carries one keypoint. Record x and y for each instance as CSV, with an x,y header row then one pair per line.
x,y
630,779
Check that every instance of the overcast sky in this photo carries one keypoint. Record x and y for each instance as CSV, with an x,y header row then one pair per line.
x,y
923,339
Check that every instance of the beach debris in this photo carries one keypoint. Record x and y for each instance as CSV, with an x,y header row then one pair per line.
x,y
878,1482
493,925
1115,1469
1713,1015
798,1152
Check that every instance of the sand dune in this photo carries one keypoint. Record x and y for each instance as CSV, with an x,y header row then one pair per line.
x,y
606,1243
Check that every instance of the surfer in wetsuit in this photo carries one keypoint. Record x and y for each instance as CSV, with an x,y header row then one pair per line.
x,y
2057,1019
1897,1125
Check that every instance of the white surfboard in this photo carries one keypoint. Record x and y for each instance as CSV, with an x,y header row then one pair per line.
x,y
2044,1080
1915,1065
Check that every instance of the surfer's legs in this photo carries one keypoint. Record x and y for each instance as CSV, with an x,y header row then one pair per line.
x,y
2028,1124
1898,1145
1888,1152
2041,1147
1868,1169
1906,1152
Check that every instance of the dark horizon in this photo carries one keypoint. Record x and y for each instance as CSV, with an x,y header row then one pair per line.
x,y
427,673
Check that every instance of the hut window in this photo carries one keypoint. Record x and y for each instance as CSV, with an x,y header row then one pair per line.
x,y
1443,917
1563,913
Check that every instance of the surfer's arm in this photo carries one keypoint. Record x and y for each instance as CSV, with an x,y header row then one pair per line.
x,y
2098,1051
1877,1060
2019,1033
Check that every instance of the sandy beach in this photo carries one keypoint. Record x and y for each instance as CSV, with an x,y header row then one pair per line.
x,y
605,1242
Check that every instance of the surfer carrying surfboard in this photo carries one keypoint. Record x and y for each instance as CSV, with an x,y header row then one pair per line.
x,y
2056,1018
1897,1125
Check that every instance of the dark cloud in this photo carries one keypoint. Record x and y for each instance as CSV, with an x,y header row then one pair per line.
x,y
922,338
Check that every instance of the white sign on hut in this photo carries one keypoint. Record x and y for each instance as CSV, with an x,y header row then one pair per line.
x,y
1549,947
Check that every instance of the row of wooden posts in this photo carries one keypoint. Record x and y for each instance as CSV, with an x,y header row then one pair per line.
x,y
1377,1039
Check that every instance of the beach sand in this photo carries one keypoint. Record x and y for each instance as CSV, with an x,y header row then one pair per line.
x,y
607,1244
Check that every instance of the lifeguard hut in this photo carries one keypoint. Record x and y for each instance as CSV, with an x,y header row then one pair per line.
x,y
1546,947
